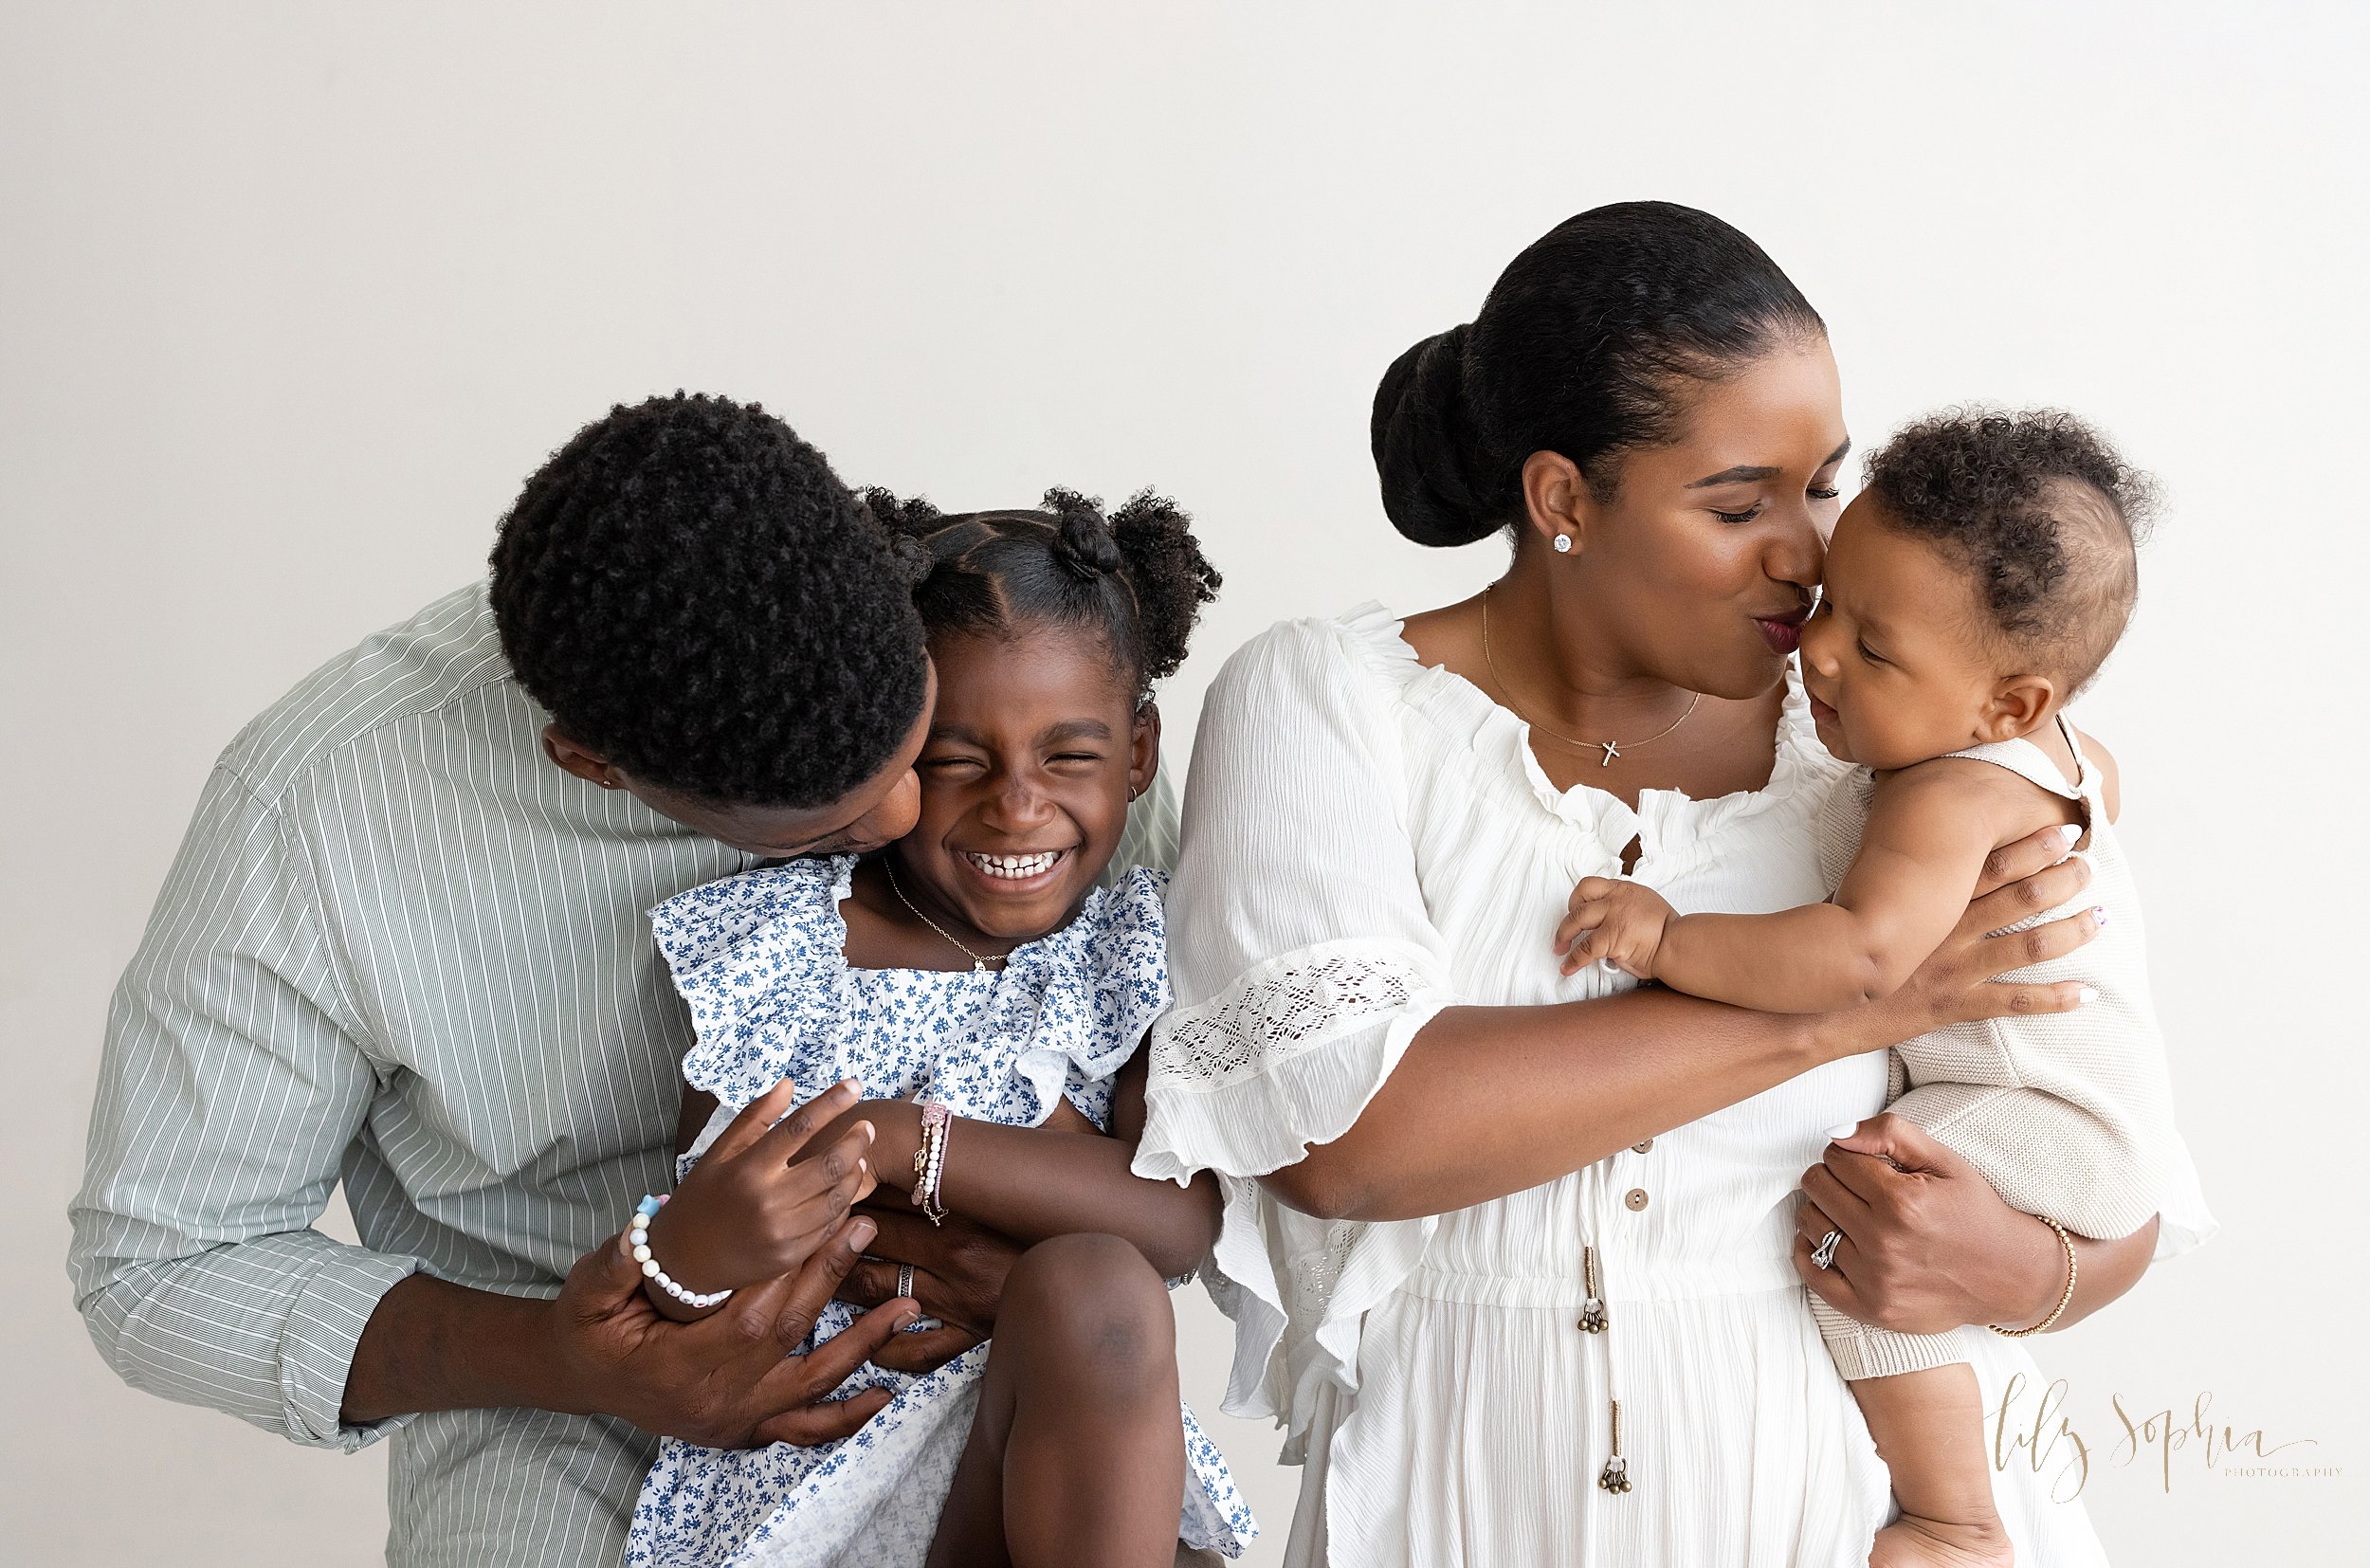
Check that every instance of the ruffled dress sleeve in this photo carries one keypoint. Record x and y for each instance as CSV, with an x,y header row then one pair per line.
x,y
759,956
1068,1011
1304,960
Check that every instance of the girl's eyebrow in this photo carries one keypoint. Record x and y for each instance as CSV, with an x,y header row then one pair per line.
x,y
1068,729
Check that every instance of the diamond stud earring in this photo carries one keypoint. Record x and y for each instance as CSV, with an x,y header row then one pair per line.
x,y
1563,544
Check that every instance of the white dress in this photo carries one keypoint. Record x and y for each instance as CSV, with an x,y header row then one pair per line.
x,y
1366,842
759,958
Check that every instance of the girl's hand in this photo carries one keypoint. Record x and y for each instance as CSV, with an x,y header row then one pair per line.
x,y
761,1201
1959,983
1617,922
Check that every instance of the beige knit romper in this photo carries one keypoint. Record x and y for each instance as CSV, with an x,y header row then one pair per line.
x,y
2067,1115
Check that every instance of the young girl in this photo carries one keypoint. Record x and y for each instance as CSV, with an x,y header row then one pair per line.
x,y
1971,589
989,998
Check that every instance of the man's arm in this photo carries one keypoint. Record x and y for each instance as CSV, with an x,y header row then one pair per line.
x,y
228,1091
231,1085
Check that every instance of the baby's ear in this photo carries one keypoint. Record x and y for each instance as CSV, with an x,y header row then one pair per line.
x,y
1143,749
2018,704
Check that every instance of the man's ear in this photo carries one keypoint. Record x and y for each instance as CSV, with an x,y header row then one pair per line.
x,y
1556,500
2016,707
570,757
1143,750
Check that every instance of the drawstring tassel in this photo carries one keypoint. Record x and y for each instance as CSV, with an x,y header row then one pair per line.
x,y
1592,1309
1615,1478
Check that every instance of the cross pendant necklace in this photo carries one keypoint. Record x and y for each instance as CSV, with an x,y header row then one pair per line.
x,y
1611,748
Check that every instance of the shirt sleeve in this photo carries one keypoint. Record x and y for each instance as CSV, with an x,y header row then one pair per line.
x,y
1304,961
231,1088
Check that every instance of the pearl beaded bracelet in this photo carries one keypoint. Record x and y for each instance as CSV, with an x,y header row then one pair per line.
x,y
638,1238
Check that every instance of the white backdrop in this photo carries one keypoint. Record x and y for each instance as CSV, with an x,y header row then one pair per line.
x,y
293,296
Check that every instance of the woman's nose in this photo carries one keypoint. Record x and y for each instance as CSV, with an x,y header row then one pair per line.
x,y
1798,553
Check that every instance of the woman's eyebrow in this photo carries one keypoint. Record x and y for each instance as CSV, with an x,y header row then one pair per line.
x,y
1744,473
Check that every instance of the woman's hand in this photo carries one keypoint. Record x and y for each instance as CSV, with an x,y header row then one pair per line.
x,y
1957,982
759,1202
1927,1245
959,1278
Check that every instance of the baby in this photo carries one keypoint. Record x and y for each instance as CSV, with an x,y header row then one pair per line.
x,y
1972,589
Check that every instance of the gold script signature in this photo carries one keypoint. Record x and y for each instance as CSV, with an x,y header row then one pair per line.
x,y
2046,1439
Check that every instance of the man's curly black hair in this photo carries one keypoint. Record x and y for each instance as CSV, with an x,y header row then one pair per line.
x,y
2041,510
1138,577
696,597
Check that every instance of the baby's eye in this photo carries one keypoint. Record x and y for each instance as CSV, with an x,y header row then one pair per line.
x,y
1871,654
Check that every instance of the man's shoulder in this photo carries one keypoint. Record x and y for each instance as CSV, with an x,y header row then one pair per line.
x,y
444,654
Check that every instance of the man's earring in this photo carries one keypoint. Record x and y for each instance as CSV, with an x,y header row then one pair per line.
x,y
1563,544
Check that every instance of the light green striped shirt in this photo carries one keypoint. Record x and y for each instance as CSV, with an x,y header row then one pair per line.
x,y
401,949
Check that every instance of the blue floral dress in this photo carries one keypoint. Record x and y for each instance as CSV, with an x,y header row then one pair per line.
x,y
761,958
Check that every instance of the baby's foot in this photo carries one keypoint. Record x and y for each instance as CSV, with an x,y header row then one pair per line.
x,y
1913,1542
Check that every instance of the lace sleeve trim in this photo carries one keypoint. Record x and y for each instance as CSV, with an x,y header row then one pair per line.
x,y
1286,1007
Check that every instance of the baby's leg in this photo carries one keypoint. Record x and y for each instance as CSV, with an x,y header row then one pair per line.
x,y
1928,1428
1077,1454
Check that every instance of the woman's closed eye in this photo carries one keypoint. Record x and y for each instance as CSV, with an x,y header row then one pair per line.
x,y
1746,515
1817,494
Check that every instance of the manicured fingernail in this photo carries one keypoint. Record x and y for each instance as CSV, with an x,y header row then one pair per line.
x,y
2098,912
2085,995
863,1166
1844,1131
860,1234
905,1320
2072,832
867,1128
853,1085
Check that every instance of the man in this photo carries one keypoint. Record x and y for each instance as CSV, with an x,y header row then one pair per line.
x,y
403,946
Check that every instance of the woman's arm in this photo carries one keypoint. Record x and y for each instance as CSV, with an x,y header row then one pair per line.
x,y
1489,1101
1035,1183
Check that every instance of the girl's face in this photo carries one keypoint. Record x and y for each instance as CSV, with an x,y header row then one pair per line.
x,y
1034,750
1700,570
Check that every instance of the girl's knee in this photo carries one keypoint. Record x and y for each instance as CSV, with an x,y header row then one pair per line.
x,y
1094,1301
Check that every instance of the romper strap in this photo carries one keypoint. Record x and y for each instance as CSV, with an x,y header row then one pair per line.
x,y
2029,763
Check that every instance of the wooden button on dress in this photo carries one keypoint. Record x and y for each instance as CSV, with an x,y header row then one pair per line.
x,y
1642,1148
1635,1198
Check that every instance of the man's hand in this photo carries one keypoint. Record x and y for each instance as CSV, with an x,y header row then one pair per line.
x,y
959,1278
1620,923
732,1379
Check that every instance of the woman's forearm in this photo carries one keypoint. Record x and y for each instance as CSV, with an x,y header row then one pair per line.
x,y
1489,1101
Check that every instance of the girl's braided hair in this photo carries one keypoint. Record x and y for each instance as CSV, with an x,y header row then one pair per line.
x,y
1136,576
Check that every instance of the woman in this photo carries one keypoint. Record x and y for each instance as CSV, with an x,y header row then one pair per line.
x,y
1519,1270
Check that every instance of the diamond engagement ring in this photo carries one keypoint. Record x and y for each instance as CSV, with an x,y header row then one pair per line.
x,y
1824,1253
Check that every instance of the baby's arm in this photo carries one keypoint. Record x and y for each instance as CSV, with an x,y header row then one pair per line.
x,y
1929,829
1035,1183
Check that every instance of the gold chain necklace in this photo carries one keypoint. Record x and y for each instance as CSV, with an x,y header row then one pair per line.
x,y
979,962
1611,748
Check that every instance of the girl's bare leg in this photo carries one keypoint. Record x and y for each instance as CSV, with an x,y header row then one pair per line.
x,y
1077,1455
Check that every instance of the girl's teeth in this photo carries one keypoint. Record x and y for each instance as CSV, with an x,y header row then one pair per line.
x,y
1013,868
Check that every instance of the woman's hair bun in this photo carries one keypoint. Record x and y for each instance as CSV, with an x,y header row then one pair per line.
x,y
1422,445
1083,541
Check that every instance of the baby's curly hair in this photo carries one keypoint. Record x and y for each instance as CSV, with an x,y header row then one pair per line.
x,y
2043,512
695,597
1138,577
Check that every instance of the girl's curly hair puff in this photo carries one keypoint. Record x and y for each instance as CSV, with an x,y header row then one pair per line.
x,y
1136,576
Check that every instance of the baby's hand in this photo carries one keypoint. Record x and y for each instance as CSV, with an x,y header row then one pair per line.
x,y
1618,922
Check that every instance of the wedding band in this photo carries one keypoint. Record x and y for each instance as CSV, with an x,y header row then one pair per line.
x,y
1824,1253
905,1278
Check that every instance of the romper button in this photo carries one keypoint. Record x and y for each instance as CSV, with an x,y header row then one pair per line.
x,y
1642,1148
1635,1198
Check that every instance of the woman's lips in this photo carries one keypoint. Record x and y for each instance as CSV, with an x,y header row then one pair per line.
x,y
1784,634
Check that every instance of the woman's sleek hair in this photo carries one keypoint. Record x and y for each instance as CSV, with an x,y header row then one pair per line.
x,y
1580,349
1137,578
